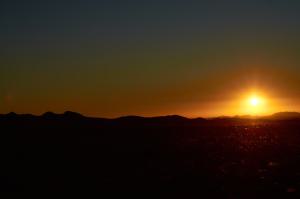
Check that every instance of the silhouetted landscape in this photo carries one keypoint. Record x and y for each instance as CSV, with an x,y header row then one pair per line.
x,y
161,98
226,157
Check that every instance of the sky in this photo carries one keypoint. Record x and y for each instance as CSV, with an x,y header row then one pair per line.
x,y
109,58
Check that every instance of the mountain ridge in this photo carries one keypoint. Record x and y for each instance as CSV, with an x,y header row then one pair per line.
x,y
284,115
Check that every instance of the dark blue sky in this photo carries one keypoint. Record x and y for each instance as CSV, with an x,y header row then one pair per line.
x,y
110,58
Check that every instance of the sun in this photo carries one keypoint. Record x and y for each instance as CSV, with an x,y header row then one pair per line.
x,y
254,101
255,104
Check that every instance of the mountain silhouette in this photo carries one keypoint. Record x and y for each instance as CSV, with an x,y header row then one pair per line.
x,y
69,115
72,115
237,155
65,115
11,115
285,116
49,115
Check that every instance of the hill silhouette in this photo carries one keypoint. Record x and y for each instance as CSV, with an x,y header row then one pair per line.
x,y
237,157
162,119
285,116
67,114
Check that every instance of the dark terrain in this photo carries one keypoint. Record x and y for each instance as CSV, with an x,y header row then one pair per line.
x,y
216,158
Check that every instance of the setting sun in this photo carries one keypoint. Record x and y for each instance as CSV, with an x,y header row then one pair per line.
x,y
254,101
255,104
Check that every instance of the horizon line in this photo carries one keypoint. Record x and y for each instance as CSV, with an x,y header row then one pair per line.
x,y
154,116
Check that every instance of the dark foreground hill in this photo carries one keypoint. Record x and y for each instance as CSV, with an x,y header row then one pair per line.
x,y
168,156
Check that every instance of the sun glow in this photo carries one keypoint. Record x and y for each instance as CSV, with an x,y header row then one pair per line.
x,y
254,101
255,104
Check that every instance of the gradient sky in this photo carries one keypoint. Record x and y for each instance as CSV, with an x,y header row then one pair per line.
x,y
109,58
